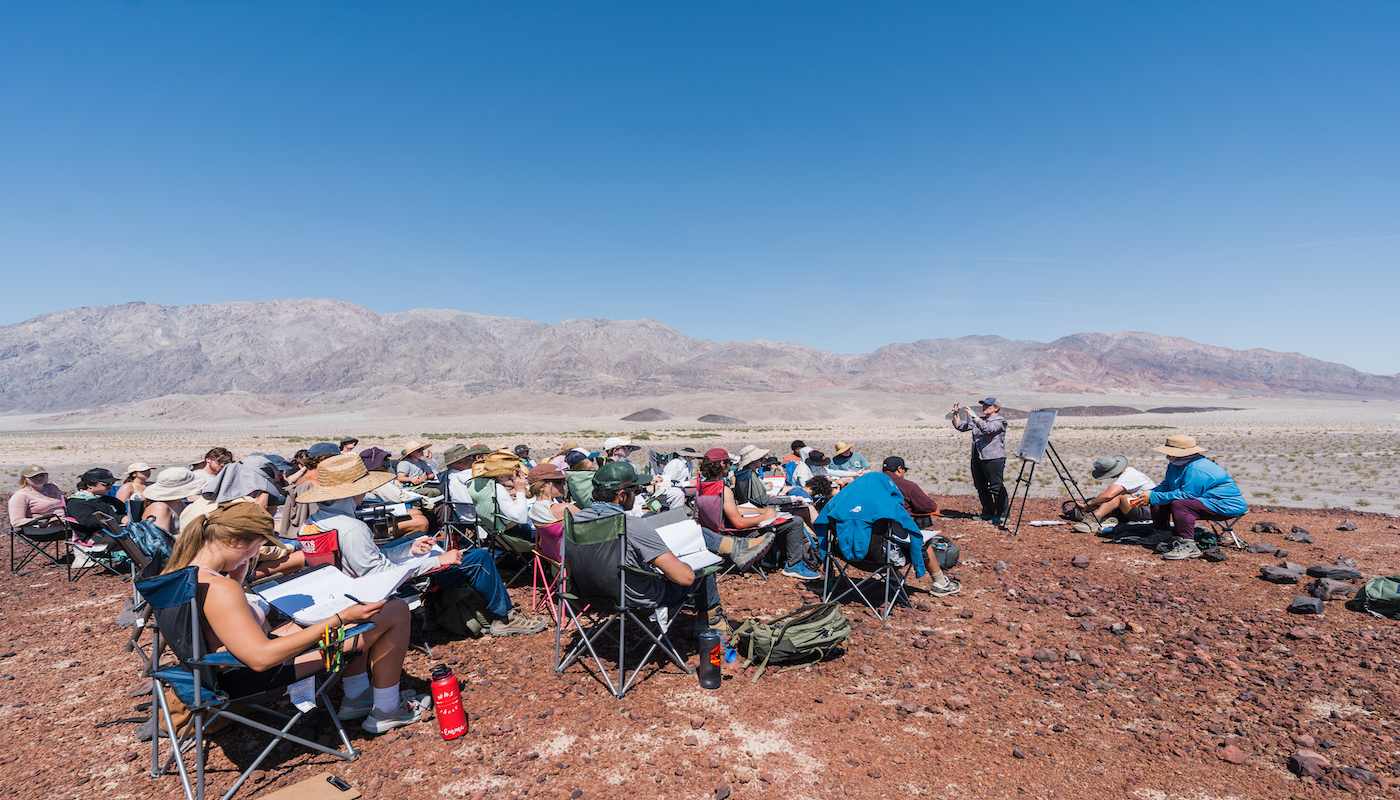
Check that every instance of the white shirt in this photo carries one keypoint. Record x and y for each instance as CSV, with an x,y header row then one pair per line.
x,y
677,472
515,509
1132,481
542,512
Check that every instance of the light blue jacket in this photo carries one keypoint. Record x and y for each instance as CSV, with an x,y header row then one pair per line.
x,y
853,463
1202,480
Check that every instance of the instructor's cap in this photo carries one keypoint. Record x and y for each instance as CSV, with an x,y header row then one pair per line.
x,y
990,401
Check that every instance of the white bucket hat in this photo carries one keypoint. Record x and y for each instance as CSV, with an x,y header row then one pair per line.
x,y
175,483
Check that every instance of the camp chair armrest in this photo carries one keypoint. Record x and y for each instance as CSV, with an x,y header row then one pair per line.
x,y
221,659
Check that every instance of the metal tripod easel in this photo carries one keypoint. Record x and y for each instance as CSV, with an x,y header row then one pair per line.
x,y
1023,479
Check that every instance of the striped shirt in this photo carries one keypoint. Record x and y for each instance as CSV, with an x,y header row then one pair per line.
x,y
988,436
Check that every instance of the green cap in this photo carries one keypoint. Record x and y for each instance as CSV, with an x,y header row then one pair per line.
x,y
616,475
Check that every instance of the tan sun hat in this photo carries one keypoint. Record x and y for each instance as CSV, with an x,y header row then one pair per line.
x,y
137,466
1178,446
840,448
175,483
750,453
343,476
32,470
413,444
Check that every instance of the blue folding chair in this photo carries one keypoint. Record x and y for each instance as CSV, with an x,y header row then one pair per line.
x,y
176,622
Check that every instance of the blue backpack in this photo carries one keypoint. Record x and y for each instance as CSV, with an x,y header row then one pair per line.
x,y
152,540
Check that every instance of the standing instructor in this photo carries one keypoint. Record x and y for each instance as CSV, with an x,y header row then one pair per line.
x,y
988,457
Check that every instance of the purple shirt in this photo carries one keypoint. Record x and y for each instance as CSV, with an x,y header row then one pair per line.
x,y
988,436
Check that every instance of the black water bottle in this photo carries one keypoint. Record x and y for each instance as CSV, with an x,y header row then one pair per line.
x,y
711,657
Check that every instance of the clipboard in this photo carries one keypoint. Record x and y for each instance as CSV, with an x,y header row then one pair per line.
x,y
320,787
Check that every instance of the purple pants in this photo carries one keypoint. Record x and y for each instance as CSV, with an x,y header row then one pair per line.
x,y
1182,515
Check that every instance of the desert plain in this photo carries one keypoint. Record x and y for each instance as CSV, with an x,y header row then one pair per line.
x,y
1068,666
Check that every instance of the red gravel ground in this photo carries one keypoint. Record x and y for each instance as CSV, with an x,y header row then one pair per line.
x,y
1016,687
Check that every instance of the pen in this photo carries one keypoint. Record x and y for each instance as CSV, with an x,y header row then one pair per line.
x,y
356,599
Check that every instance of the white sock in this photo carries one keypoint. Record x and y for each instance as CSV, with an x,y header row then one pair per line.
x,y
386,701
356,685
941,580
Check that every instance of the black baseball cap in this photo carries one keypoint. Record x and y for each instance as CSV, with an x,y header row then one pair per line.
x,y
893,463
99,475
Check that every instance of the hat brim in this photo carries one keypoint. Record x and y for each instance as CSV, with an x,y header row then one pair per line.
x,y
362,485
1178,452
175,492
1119,464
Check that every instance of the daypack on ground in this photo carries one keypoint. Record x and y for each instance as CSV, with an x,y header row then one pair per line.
x,y
460,611
808,634
1381,596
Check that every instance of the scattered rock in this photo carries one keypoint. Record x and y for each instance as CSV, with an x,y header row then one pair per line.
x,y
1280,574
1328,589
1363,775
957,702
696,723
966,613
1017,753
1347,525
1230,753
1300,537
1346,561
691,741
722,791
720,419
1299,529
1046,656
647,415
1081,561
1304,605
1280,553
1214,554
1308,764
1000,566
1266,527
1335,572
1260,547
1118,628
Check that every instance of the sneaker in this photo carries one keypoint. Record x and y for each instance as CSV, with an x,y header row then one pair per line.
x,y
1087,526
949,587
1183,549
357,707
517,623
408,712
748,550
800,571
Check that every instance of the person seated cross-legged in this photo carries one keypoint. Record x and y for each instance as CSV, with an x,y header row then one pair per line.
x,y
790,533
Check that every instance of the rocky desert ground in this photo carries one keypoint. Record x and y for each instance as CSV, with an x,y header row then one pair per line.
x,y
1069,666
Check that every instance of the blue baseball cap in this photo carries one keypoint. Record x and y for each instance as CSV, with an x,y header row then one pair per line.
x,y
990,401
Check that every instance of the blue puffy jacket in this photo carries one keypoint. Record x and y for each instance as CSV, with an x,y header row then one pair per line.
x,y
854,509
1202,480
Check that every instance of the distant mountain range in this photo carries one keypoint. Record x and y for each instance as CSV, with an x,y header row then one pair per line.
x,y
328,351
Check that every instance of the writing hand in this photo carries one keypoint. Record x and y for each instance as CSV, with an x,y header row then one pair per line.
x,y
361,612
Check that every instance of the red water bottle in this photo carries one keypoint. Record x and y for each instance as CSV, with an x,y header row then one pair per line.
x,y
447,703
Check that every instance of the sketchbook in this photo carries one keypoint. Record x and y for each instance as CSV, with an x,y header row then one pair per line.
x,y
317,594
686,541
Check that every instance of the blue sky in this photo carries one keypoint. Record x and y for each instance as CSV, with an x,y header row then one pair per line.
x,y
838,174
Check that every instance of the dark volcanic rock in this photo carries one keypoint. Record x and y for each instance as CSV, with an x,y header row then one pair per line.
x,y
1328,589
720,419
1347,525
1214,554
1267,527
1277,574
1300,537
1308,764
1260,547
647,415
1335,572
1346,561
1305,605
1299,529
1081,561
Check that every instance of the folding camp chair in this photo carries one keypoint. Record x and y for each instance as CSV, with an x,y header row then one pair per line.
x,y
884,572
458,519
709,512
594,588
147,546
1227,526
53,538
494,527
580,485
176,624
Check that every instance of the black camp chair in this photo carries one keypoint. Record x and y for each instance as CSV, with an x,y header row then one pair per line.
x,y
593,591
174,599
883,585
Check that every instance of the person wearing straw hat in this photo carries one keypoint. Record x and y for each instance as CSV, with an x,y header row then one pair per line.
x,y
1114,505
558,459
138,476
1194,488
988,457
222,544
412,468
846,463
165,499
344,482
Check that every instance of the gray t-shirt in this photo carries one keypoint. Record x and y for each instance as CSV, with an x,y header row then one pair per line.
x,y
411,469
644,545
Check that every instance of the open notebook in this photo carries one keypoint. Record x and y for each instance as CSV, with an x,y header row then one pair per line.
x,y
314,595
686,541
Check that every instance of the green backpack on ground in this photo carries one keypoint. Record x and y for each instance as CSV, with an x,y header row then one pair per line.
x,y
1381,596
808,634
460,611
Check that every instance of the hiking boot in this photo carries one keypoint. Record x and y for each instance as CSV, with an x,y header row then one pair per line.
x,y
719,623
749,550
947,588
1087,526
1182,550
517,623
800,571
409,711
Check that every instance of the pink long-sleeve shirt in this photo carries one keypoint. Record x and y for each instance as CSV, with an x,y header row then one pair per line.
x,y
27,506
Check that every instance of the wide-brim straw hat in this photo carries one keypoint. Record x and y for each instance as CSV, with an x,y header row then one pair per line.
x,y
749,454
175,483
1178,446
840,448
1109,467
343,476
413,444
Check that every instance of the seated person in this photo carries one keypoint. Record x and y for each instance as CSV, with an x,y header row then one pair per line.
x,y
314,456
410,520
847,464
165,499
344,483
679,476
93,496
918,504
522,451
797,471
348,444
222,545
872,499
558,459
1194,488
299,467
216,459
1114,505
250,480
413,469
790,533
615,488
36,497
796,452
547,507
459,460
513,498
617,449
138,477
821,490
577,460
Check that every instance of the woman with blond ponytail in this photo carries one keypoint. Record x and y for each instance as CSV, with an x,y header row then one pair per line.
x,y
221,545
